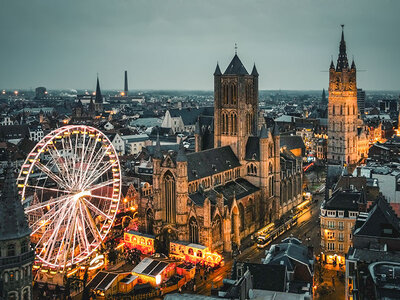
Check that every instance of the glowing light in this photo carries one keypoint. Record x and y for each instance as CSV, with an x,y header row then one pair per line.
x,y
120,246
158,279
122,94
72,272
82,194
15,93
74,183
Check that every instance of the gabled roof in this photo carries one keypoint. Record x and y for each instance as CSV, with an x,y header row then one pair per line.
x,y
238,188
208,162
381,222
289,253
236,67
292,142
190,115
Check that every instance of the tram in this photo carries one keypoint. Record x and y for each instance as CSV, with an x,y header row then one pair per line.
x,y
268,236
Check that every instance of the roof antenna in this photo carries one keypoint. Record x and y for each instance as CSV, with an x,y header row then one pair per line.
x,y
235,49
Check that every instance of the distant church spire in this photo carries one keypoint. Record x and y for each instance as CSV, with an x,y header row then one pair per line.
x,y
99,97
342,62
235,48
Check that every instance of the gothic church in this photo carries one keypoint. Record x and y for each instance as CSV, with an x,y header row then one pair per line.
x,y
220,196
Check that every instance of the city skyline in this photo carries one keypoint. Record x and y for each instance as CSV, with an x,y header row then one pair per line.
x,y
165,46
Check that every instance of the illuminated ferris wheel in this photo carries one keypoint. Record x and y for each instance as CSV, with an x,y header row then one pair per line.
x,y
70,186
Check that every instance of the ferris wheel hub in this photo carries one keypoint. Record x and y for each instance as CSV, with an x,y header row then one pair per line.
x,y
82,194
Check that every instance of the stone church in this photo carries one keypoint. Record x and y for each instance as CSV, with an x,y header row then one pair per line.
x,y
238,180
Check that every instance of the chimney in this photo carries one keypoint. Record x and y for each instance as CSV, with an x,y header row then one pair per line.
x,y
126,84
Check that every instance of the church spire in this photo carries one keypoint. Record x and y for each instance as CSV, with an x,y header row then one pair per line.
x,y
217,71
353,64
342,62
254,72
99,97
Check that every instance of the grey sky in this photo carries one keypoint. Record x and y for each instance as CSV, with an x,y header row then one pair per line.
x,y
175,44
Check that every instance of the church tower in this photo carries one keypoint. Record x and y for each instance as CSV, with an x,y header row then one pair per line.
x,y
98,101
16,254
342,110
235,106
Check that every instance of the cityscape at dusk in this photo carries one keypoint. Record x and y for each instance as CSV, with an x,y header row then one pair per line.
x,y
199,150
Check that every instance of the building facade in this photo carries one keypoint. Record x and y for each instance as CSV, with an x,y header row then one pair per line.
x,y
337,218
345,129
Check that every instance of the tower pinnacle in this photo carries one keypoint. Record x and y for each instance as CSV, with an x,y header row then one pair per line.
x,y
342,62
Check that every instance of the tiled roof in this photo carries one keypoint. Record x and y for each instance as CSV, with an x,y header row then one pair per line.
x,y
239,188
292,142
343,200
190,115
208,162
381,222
236,67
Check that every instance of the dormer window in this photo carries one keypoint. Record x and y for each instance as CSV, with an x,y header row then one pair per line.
x,y
331,213
340,213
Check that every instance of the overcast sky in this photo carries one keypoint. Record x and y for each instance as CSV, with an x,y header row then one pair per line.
x,y
175,44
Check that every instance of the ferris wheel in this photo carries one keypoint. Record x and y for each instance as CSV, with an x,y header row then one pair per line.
x,y
70,187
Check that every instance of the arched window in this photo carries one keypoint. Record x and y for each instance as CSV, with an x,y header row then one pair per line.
x,y
193,231
217,228
11,250
241,217
234,94
225,96
251,210
231,124
270,151
24,246
170,198
234,124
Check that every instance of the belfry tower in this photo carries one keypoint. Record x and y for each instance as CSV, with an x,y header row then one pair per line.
x,y
342,110
235,106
